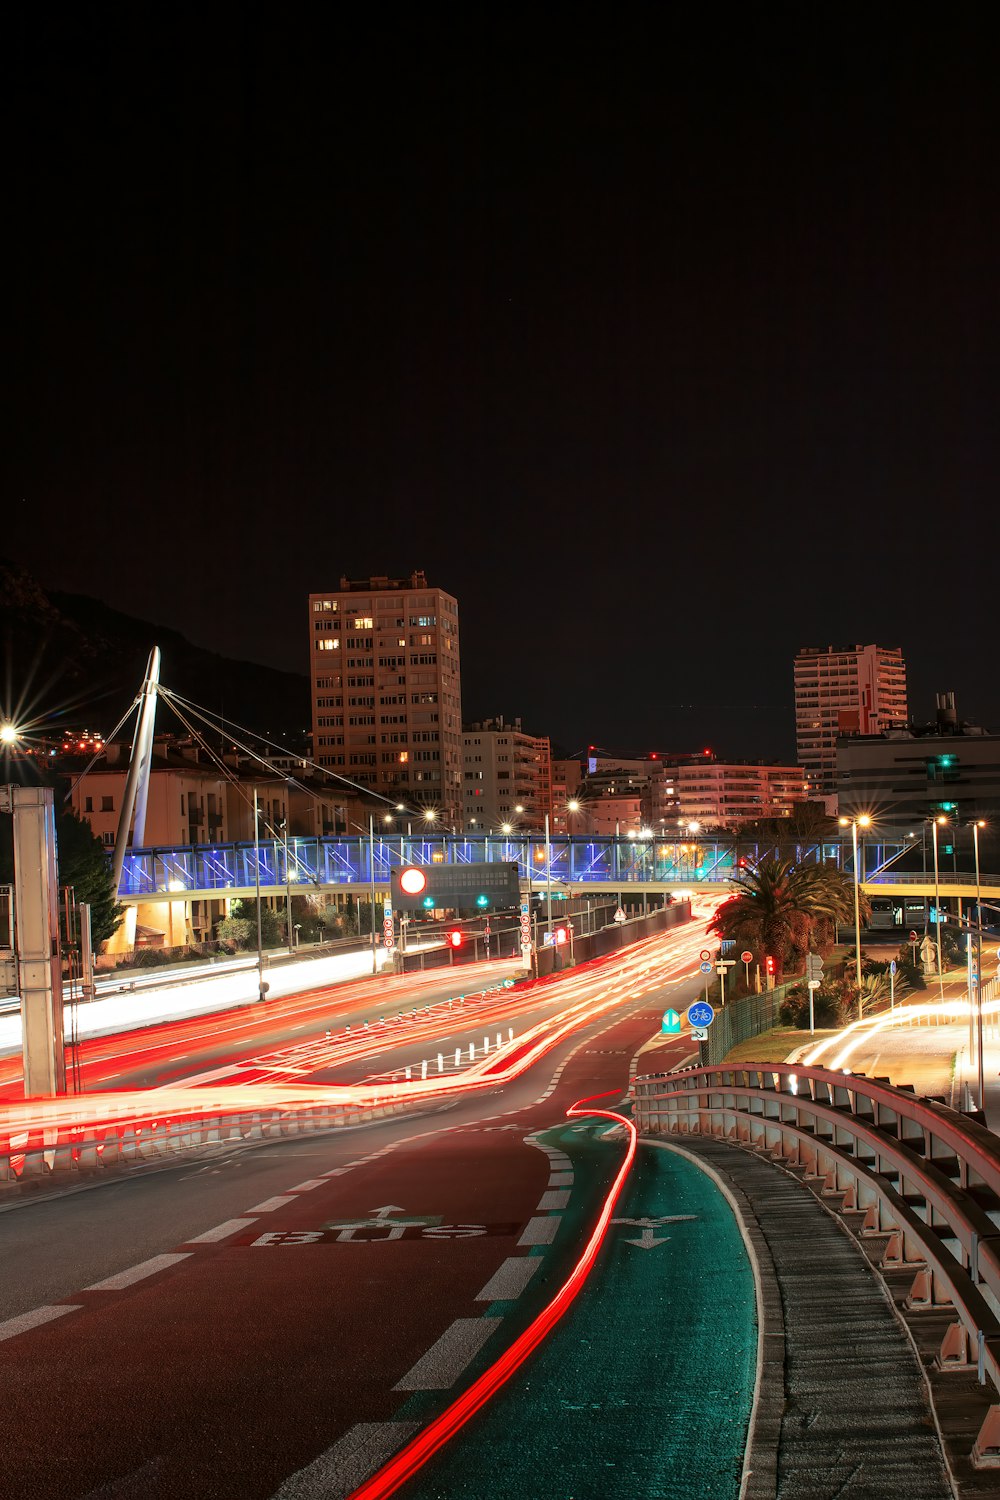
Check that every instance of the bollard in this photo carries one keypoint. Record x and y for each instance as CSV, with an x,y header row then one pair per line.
x,y
472,1051
510,1033
407,1074
440,1063
458,1057
486,1044
423,1068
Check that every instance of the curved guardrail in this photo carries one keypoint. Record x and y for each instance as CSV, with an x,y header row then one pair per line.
x,y
924,1177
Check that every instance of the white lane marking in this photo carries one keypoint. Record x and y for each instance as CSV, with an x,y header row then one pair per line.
x,y
270,1204
560,1179
34,1319
305,1187
138,1273
337,1172
220,1232
444,1361
554,1198
541,1230
510,1279
352,1459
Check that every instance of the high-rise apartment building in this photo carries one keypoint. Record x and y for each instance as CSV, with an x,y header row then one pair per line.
x,y
861,689
385,670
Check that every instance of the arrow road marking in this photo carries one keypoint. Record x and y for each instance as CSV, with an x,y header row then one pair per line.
x,y
648,1241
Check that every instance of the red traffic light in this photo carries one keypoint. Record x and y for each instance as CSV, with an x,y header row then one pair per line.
x,y
455,938
769,963
560,935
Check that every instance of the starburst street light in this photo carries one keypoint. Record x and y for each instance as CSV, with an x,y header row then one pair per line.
x,y
8,733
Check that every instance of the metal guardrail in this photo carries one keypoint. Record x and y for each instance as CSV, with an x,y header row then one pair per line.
x,y
924,1177
31,1157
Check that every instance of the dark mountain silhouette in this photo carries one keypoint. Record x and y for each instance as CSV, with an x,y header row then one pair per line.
x,y
72,661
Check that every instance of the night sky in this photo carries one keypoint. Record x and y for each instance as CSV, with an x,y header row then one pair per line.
x,y
668,344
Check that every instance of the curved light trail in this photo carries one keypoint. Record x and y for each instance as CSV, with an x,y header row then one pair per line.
x,y
426,1443
589,990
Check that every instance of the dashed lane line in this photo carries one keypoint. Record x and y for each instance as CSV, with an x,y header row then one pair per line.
x,y
145,1268
348,1463
270,1204
445,1360
540,1230
34,1319
307,1187
510,1279
220,1232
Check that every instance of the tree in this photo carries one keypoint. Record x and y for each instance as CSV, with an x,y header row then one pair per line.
x,y
779,907
241,925
83,865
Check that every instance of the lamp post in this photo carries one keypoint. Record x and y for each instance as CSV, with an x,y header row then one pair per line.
x,y
261,986
288,888
937,904
979,823
371,863
863,822
548,893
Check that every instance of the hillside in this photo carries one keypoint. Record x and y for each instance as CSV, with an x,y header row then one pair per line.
x,y
73,661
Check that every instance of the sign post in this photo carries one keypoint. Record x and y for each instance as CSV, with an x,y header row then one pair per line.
x,y
720,969
746,959
892,985
814,978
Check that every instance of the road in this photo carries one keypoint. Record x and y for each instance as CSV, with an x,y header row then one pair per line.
x,y
216,1327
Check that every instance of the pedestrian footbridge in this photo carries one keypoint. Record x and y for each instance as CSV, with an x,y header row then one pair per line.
x,y
574,865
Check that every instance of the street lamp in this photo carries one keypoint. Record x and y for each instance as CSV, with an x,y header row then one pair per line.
x,y
261,986
938,823
371,862
548,879
979,823
863,822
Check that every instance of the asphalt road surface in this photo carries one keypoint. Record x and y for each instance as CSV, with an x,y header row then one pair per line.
x,y
254,1324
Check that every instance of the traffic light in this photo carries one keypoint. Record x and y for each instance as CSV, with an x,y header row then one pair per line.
x,y
769,964
455,937
560,935
482,899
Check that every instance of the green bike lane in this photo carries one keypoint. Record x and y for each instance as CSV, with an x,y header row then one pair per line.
x,y
643,1391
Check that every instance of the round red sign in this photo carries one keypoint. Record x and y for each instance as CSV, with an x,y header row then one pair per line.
x,y
706,954
746,956
412,881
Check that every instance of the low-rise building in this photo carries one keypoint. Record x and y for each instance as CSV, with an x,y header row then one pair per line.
x,y
507,776
946,768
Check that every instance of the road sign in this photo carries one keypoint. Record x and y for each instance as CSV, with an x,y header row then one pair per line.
x,y
814,966
746,957
619,915
671,1022
700,1013
913,937
892,967
706,953
814,984
699,1034
705,968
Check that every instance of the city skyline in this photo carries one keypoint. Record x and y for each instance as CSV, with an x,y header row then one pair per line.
x,y
666,357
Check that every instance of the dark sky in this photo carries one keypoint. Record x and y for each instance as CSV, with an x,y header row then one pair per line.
x,y
666,346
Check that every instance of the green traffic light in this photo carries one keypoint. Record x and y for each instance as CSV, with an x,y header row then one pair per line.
x,y
428,901
482,900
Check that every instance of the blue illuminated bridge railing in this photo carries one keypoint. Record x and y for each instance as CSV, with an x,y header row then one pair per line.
x,y
337,863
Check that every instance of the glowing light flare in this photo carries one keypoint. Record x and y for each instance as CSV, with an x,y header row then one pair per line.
x,y
410,1459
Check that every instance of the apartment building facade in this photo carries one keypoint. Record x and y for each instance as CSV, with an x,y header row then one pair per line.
x,y
859,689
719,794
507,776
385,673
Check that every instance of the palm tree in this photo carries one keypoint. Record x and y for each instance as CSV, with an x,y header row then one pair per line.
x,y
780,906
